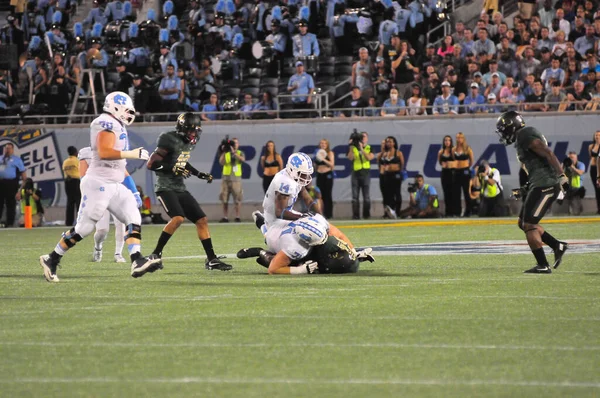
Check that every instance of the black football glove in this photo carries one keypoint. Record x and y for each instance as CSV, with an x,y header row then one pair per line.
x,y
205,176
520,192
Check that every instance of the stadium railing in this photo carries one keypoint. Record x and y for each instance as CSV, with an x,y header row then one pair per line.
x,y
287,114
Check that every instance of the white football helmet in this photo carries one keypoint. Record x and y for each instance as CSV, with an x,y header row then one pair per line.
x,y
299,167
312,230
120,106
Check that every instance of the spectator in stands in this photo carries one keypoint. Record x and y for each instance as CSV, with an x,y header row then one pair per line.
x,y
560,46
592,63
381,80
388,27
416,104
547,13
514,99
166,58
446,103
403,65
13,34
371,109
302,86
483,59
577,97
361,73
432,91
447,46
423,203
208,110
305,44
354,104
492,105
506,89
169,90
245,111
125,78
484,44
58,95
428,59
578,29
478,78
528,87
474,101
544,39
563,24
267,105
97,56
536,100
114,11
457,87
494,87
459,32
528,64
572,55
468,43
40,81
95,15
487,78
555,96
394,106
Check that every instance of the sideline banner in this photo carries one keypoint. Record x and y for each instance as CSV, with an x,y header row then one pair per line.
x,y
419,140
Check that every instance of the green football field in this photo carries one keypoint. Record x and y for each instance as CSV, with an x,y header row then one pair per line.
x,y
432,317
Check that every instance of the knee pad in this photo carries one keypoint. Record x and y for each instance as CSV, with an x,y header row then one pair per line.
x,y
134,231
71,238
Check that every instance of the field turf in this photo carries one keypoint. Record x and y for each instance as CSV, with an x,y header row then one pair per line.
x,y
418,325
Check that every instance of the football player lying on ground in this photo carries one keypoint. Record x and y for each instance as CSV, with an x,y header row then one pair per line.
x,y
307,246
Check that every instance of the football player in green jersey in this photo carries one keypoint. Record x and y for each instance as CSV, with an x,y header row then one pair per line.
x,y
546,182
170,163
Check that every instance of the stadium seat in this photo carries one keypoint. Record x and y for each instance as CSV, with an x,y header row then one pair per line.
x,y
195,93
289,71
344,60
274,90
251,82
326,46
326,61
254,91
253,72
327,70
230,83
112,77
269,81
343,69
325,81
231,91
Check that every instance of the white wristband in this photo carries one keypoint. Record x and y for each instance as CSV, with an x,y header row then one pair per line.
x,y
138,153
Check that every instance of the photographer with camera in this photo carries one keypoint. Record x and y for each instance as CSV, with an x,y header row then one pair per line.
x,y
231,158
31,196
492,200
359,152
574,170
423,200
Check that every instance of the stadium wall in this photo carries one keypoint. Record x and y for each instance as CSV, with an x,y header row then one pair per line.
x,y
44,148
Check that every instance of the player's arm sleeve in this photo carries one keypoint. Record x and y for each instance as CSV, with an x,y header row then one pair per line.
x,y
163,147
130,184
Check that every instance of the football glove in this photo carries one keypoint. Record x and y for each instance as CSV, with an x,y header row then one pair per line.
x,y
520,192
138,199
312,267
205,176
563,180
180,170
365,255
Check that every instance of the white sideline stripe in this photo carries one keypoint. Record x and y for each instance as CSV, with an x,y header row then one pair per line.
x,y
224,380
306,345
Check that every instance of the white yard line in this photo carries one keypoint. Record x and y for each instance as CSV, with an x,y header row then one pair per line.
x,y
259,381
303,345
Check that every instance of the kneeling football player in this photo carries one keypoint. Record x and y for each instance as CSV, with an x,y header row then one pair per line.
x,y
170,163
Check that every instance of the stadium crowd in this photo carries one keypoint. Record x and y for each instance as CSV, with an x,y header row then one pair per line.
x,y
242,56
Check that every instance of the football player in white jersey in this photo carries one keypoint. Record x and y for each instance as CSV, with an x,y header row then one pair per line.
x,y
102,226
102,188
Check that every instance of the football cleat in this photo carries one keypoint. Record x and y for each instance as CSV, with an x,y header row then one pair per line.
x,y
249,252
559,252
145,264
119,258
216,263
97,256
539,269
258,218
49,269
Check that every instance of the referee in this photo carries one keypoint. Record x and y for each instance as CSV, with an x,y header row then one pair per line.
x,y
72,178
10,164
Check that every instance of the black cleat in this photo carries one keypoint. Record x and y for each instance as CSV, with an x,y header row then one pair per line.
x,y
216,263
160,264
558,253
259,218
49,269
145,264
249,252
539,269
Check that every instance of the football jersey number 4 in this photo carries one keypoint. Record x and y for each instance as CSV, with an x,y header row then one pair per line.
x,y
285,188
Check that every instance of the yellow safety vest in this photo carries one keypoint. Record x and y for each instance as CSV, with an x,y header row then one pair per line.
x,y
426,188
31,203
576,181
227,167
357,164
490,191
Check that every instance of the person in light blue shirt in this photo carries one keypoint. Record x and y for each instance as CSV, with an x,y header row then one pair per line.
x,y
301,85
474,101
114,11
245,111
446,103
388,27
492,105
584,43
305,43
170,90
166,58
102,60
423,201
11,168
96,14
402,18
212,106
394,106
